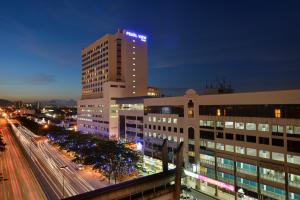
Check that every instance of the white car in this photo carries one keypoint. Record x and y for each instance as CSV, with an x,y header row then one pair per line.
x,y
80,167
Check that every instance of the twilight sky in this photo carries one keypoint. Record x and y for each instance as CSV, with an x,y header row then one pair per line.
x,y
253,44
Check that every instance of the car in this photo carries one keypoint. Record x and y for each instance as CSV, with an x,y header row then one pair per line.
x,y
80,167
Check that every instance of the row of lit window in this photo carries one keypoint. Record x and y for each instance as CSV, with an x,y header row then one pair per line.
x,y
95,61
250,126
163,128
84,119
102,54
277,112
92,110
250,169
133,69
163,136
162,120
251,152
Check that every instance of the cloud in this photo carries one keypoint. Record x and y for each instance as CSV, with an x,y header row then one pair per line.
x,y
40,79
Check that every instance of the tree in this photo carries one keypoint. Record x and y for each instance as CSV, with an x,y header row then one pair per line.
x,y
106,152
117,161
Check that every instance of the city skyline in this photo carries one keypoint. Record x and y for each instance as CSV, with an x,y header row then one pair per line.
x,y
168,100
247,43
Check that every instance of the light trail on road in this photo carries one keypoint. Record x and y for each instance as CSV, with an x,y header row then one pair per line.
x,y
49,161
21,182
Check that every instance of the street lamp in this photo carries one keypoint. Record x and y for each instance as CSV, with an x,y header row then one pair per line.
x,y
63,175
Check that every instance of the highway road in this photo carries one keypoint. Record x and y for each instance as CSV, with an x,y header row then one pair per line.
x,y
59,176
18,181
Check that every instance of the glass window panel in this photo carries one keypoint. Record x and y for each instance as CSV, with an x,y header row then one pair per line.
x,y
251,152
274,128
280,129
240,150
239,125
228,124
229,148
296,129
220,146
251,126
220,124
289,129
154,119
210,144
277,156
263,127
264,154
293,159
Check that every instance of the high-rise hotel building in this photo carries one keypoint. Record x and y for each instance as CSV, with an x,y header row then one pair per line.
x,y
112,66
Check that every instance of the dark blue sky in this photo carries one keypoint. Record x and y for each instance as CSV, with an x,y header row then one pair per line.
x,y
253,44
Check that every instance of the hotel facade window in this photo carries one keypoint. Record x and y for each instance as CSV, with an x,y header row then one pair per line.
x,y
229,124
263,127
251,126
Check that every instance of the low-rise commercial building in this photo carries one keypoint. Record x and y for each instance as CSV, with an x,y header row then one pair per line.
x,y
241,143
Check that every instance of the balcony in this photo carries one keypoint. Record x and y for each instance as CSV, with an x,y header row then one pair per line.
x,y
208,162
208,174
226,180
225,166
248,172
273,195
276,178
248,187
295,183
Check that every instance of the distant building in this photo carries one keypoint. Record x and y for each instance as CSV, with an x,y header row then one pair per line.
x,y
153,92
25,111
218,88
37,105
18,104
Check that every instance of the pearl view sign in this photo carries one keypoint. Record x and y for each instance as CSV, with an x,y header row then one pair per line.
x,y
143,38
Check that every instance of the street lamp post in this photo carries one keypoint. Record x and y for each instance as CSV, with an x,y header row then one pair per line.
x,y
63,175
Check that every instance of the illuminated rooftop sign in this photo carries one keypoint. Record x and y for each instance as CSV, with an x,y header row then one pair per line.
x,y
211,181
143,38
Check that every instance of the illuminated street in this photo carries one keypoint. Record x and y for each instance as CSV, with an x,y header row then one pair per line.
x,y
51,167
19,181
